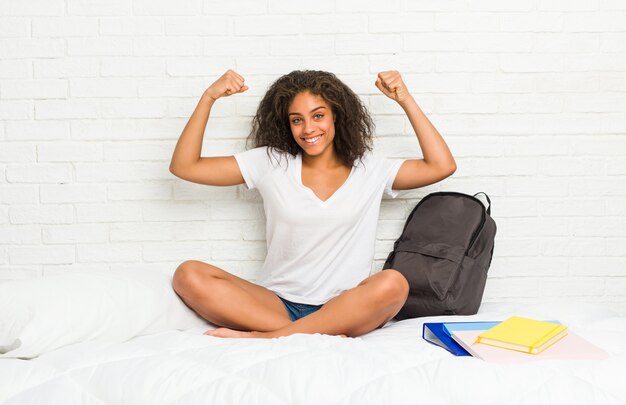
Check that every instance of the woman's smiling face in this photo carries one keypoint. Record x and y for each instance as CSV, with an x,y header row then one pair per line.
x,y
312,123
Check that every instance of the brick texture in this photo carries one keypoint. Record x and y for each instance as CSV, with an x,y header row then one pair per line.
x,y
531,98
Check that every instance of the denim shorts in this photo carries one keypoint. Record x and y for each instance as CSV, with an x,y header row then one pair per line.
x,y
297,311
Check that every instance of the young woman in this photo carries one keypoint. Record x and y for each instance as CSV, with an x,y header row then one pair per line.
x,y
321,189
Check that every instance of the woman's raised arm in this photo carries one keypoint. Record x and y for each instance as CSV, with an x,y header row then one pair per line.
x,y
186,161
437,163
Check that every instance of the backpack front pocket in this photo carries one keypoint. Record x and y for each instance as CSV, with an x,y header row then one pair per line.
x,y
429,268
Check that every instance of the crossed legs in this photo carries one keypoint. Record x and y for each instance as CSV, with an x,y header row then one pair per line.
x,y
238,305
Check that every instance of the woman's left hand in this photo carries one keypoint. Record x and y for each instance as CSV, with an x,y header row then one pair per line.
x,y
392,86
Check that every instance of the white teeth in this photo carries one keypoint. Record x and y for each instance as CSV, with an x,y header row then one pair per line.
x,y
312,140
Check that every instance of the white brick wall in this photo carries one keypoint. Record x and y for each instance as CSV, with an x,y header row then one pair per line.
x,y
531,97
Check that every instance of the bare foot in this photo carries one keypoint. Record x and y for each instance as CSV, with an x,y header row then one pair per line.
x,y
231,333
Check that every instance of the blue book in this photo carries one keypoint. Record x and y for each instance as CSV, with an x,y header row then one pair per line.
x,y
449,327
434,333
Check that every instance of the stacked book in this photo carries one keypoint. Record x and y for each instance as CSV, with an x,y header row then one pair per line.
x,y
516,339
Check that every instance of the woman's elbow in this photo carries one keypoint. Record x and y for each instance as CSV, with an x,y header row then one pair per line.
x,y
172,169
176,170
450,168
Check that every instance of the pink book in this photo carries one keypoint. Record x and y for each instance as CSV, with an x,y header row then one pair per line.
x,y
571,347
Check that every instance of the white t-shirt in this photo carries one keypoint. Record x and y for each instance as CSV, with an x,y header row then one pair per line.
x,y
317,249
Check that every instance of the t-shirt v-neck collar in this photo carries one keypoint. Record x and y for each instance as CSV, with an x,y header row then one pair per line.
x,y
298,176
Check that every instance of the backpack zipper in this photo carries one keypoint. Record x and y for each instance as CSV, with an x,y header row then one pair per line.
x,y
477,232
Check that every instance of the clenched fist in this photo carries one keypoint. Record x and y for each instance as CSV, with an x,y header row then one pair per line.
x,y
228,84
391,85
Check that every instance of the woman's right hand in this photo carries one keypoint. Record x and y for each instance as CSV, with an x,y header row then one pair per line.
x,y
228,84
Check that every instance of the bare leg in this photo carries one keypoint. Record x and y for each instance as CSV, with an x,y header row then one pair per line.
x,y
357,311
227,300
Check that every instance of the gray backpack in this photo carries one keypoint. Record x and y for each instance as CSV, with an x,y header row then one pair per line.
x,y
444,252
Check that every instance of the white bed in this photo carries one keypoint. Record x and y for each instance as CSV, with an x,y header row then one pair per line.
x,y
152,362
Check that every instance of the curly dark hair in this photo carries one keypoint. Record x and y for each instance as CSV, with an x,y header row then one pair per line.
x,y
353,125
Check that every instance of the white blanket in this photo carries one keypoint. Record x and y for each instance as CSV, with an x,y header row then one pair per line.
x,y
392,365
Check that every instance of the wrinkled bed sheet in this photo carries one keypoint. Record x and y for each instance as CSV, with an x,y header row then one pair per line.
x,y
392,365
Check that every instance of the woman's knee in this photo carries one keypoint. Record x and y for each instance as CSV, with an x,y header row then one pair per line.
x,y
187,276
393,287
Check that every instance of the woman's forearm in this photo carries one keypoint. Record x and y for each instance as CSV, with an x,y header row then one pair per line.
x,y
434,149
189,145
